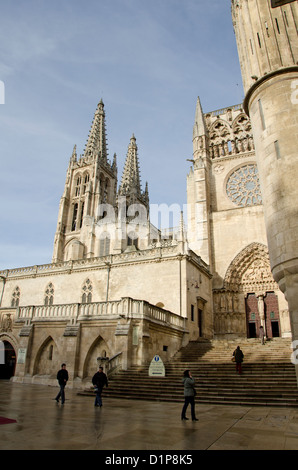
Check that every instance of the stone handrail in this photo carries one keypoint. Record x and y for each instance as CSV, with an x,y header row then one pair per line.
x,y
114,364
126,308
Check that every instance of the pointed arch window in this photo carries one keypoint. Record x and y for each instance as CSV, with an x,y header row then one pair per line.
x,y
87,292
74,217
85,183
49,294
78,186
104,246
82,215
15,299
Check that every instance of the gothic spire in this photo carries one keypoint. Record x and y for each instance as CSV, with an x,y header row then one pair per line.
x,y
97,143
199,127
131,182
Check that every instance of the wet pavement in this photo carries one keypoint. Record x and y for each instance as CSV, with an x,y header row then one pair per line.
x,y
43,424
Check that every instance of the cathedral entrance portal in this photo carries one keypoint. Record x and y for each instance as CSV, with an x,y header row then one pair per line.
x,y
8,360
271,315
249,277
252,316
262,310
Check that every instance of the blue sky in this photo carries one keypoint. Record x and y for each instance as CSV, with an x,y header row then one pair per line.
x,y
147,60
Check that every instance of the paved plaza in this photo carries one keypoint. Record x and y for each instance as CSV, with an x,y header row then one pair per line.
x,y
42,424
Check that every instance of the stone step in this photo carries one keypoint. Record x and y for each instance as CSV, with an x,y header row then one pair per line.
x,y
269,380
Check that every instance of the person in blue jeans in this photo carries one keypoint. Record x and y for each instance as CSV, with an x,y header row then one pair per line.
x,y
99,380
62,378
189,395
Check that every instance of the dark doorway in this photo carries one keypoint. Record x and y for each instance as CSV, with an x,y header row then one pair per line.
x,y
275,329
200,322
252,315
271,311
8,368
252,330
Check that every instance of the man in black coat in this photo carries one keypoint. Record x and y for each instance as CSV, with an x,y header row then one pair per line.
x,y
99,380
238,354
62,378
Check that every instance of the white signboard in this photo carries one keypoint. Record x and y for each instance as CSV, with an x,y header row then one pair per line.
x,y
157,368
21,355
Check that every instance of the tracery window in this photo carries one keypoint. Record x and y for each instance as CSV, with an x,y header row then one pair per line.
x,y
78,186
86,181
15,299
49,294
104,246
243,186
87,292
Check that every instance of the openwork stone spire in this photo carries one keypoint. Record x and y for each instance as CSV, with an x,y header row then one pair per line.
x,y
130,186
96,146
131,182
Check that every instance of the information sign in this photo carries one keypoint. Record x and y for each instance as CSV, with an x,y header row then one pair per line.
x,y
157,368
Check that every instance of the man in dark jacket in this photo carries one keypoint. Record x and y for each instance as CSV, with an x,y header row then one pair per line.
x,y
238,354
99,380
62,378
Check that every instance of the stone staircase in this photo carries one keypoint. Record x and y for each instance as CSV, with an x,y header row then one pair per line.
x,y
221,351
268,377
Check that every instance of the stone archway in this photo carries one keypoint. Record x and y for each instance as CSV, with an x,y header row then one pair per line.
x,y
97,355
8,360
249,278
46,361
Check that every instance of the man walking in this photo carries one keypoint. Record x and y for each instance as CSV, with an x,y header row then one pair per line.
x,y
238,354
62,378
99,380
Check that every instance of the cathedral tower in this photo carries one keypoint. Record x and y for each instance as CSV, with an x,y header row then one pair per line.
x,y
198,189
133,202
266,35
91,180
94,218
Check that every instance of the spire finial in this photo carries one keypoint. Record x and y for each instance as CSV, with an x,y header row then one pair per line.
x,y
199,128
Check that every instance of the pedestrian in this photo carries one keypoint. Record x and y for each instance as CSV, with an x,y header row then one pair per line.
x,y
239,356
62,377
262,335
99,380
189,395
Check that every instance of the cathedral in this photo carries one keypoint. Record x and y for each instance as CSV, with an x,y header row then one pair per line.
x,y
118,290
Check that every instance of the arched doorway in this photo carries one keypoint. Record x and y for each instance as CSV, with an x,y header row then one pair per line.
x,y
251,283
96,356
252,315
8,362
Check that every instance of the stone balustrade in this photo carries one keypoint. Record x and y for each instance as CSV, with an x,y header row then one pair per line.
x,y
126,308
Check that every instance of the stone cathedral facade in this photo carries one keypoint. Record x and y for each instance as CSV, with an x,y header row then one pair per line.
x,y
118,290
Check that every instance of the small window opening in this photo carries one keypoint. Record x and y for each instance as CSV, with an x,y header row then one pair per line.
x,y
262,115
252,51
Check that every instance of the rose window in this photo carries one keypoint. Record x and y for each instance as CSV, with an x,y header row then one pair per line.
x,y
243,186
